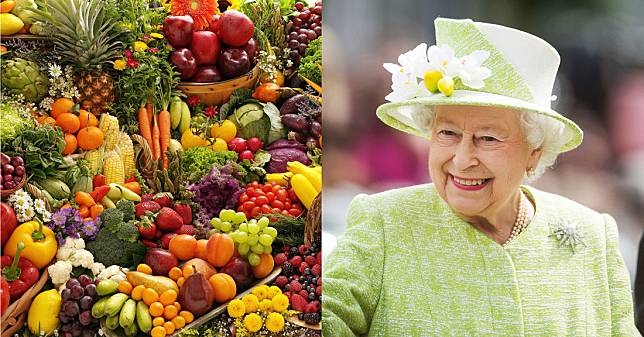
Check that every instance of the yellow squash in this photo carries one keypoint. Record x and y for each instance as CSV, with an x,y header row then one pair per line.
x,y
43,312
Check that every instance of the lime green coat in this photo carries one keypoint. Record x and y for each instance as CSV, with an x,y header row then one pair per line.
x,y
408,266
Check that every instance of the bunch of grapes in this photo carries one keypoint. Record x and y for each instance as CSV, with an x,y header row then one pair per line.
x,y
253,238
227,218
306,26
78,298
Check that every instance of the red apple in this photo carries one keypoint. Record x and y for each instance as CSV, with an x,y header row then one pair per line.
x,y
161,261
214,24
251,48
207,73
185,62
205,47
178,30
240,270
165,239
233,62
235,28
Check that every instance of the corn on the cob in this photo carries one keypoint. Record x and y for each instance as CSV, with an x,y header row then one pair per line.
x,y
95,159
126,149
113,168
110,127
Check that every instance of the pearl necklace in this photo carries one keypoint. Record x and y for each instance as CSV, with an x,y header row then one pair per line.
x,y
521,221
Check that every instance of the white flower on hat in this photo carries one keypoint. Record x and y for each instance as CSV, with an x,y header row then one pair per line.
x,y
471,72
443,60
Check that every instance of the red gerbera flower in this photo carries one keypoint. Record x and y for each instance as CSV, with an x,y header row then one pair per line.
x,y
132,63
193,101
128,53
210,111
153,50
201,11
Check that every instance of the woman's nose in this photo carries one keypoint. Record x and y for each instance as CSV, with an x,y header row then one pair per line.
x,y
465,154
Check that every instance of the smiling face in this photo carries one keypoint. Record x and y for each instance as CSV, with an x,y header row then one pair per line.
x,y
478,158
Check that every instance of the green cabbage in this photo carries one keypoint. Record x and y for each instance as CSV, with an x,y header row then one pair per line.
x,y
12,123
258,120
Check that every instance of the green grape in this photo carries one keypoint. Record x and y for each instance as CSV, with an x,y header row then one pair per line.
x,y
268,249
227,215
252,221
270,231
253,228
263,222
215,222
253,259
257,248
239,218
266,239
242,237
243,227
226,226
253,239
234,236
243,249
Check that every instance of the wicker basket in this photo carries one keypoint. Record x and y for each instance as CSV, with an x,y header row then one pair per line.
x,y
217,93
16,314
6,193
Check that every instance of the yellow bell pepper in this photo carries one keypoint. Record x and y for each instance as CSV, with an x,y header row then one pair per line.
x,y
43,312
40,243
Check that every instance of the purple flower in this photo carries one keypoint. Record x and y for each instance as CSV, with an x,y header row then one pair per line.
x,y
89,229
60,218
60,239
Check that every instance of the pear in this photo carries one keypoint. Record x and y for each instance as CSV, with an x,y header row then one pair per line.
x,y
196,294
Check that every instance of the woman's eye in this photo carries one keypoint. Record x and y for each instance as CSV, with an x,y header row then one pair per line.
x,y
489,139
447,133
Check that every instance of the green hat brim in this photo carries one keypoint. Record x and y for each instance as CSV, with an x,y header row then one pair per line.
x,y
411,116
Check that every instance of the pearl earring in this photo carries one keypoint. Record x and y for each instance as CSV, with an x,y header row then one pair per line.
x,y
530,172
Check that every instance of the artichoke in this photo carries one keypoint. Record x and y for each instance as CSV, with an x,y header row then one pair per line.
x,y
24,77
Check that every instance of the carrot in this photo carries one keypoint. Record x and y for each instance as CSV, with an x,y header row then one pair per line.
x,y
156,147
144,125
150,108
164,129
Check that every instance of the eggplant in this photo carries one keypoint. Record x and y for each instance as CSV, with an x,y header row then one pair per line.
x,y
295,122
316,129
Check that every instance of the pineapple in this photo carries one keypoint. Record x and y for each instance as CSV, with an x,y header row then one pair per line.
x,y
83,34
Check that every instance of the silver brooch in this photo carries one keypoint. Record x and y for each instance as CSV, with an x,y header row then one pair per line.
x,y
567,234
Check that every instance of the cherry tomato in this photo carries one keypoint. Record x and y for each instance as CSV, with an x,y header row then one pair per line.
x,y
266,209
281,195
294,212
277,188
243,198
249,205
273,183
292,195
240,208
253,199
297,206
259,192
277,204
270,196
250,191
261,200
267,188
287,205
255,212
254,184
276,210
285,212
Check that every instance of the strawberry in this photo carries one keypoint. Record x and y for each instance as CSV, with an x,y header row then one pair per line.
x,y
147,197
145,206
318,291
288,294
147,229
316,270
310,260
295,286
164,199
98,180
320,281
296,261
310,308
185,211
318,257
99,193
186,229
298,302
168,219
281,281
280,258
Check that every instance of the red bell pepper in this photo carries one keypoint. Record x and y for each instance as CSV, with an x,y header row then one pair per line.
x,y
4,294
98,180
19,272
8,222
99,193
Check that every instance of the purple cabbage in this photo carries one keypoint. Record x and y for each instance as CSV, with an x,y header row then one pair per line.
x,y
219,189
283,151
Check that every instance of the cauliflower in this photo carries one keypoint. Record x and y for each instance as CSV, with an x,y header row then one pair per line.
x,y
60,272
69,248
97,268
113,272
82,258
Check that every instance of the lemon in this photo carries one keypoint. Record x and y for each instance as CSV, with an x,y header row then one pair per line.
x,y
431,79
226,131
10,24
220,145
446,86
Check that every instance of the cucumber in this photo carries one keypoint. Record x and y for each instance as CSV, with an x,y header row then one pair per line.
x,y
128,312
112,322
114,304
143,317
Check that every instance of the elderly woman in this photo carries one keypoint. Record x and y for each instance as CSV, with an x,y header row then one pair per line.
x,y
476,253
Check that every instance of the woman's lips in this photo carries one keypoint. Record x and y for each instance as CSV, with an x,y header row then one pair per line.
x,y
476,184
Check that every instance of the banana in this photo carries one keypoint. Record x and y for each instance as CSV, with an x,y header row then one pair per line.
x,y
184,124
312,175
143,318
114,304
128,312
112,322
99,307
175,112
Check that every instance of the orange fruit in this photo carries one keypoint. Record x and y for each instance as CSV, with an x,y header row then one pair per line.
x,y
157,331
87,119
170,312
187,315
183,246
175,273
144,268
201,249
60,106
179,322
156,309
68,122
150,296
137,292
169,327
180,281
158,321
90,138
71,144
125,287
168,297
177,305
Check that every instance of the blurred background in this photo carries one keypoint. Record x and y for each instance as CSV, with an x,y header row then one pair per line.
x,y
600,85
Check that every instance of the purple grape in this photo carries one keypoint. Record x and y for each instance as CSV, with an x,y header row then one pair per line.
x,y
77,329
9,177
71,282
7,169
295,56
304,15
77,292
86,302
90,290
66,327
65,294
67,334
317,20
302,38
302,48
96,282
311,35
302,31
70,308
318,30
297,22
293,44
64,318
85,318
17,179
312,26
292,35
84,280
9,185
17,161
318,3
19,171
299,6
317,10
88,333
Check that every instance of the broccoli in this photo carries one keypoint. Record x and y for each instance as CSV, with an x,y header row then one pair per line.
x,y
110,249
127,207
111,218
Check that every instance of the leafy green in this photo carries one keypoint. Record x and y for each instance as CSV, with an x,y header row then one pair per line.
x,y
41,149
197,162
312,58
290,230
278,131
255,169
12,122
238,97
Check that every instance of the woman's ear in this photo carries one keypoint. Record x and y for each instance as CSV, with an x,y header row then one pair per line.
x,y
535,155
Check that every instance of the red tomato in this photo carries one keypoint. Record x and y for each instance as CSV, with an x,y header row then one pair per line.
x,y
277,204
292,195
267,188
281,195
254,184
253,199
277,188
259,192
250,191
255,212
294,212
240,208
249,205
243,198
262,200
285,212
297,206
276,210
266,209
270,196
287,205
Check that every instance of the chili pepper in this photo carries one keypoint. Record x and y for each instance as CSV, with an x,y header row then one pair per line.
x,y
4,294
40,243
19,272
